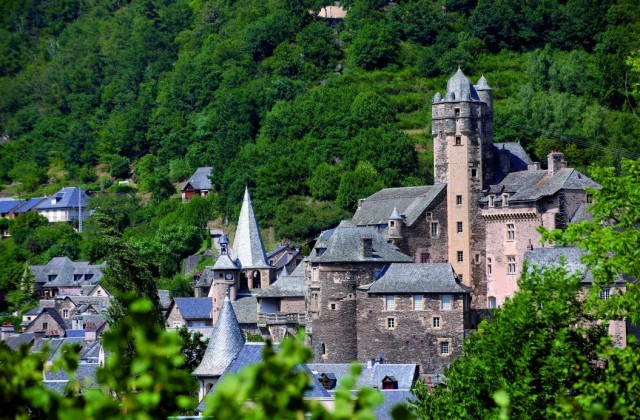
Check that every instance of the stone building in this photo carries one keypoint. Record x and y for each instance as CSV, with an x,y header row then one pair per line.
x,y
63,277
199,185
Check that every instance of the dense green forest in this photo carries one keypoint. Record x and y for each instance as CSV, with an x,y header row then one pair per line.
x,y
311,114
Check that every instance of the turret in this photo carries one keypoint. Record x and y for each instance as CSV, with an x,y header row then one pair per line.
x,y
394,227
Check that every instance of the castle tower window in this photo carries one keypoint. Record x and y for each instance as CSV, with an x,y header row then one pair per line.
x,y
445,301
444,348
434,229
474,173
314,302
511,264
391,323
436,322
256,280
323,349
392,223
425,258
456,112
505,200
389,303
492,302
459,227
418,303
511,232
489,266
332,306
460,256
458,200
458,141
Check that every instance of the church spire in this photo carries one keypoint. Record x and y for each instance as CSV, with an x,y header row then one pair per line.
x,y
247,243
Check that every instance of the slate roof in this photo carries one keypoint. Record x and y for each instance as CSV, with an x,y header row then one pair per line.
x,y
460,88
15,341
206,278
224,262
391,398
519,160
409,202
164,296
28,205
405,374
546,257
64,269
287,285
194,308
581,214
190,263
98,302
526,186
7,205
54,315
65,198
246,310
417,278
200,179
247,244
345,242
226,341
85,374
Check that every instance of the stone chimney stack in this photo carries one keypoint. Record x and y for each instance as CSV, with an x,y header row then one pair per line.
x,y
505,160
366,247
555,162
7,331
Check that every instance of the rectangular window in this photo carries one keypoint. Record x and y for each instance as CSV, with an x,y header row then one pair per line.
x,y
511,232
314,302
489,266
460,277
589,198
460,256
459,227
417,303
511,264
65,313
456,112
434,229
428,215
492,200
492,302
45,325
445,301
425,258
389,303
391,323
458,200
474,173
436,322
505,200
444,347
314,275
332,306
458,141
605,293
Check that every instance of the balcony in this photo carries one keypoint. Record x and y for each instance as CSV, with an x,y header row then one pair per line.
x,y
280,318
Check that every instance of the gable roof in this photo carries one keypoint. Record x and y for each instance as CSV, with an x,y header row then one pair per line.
x,y
418,278
247,244
68,197
285,286
345,242
409,202
7,205
194,308
28,205
65,271
527,186
226,341
372,376
199,180
54,315
519,160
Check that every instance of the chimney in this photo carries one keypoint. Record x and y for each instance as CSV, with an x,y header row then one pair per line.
x,y
555,162
91,334
505,160
360,202
7,331
366,247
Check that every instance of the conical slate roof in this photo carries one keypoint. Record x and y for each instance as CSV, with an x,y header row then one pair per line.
x,y
247,244
460,88
225,343
483,84
395,215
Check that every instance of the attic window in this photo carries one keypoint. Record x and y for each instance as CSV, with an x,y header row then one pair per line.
x,y
505,200
52,277
389,382
88,276
492,200
77,277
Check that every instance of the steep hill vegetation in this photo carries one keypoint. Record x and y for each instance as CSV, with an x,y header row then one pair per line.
x,y
311,114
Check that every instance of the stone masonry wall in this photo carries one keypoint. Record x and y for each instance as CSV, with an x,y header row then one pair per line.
x,y
413,338
292,305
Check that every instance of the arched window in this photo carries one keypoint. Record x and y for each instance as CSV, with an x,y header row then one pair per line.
x,y
244,282
256,280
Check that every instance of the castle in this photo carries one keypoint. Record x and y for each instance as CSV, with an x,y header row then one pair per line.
x,y
415,267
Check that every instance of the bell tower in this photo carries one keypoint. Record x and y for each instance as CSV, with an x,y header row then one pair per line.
x,y
462,129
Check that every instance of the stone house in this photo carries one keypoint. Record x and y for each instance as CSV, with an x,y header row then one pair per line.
x,y
63,277
413,313
49,323
414,219
198,185
189,312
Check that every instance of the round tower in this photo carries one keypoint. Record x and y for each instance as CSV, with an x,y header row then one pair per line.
x,y
394,227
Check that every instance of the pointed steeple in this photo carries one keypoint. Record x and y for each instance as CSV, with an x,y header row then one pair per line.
x,y
226,342
395,215
248,244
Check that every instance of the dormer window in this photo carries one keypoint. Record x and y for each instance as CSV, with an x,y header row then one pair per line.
x,y
389,382
505,200
52,277
392,223
492,200
77,277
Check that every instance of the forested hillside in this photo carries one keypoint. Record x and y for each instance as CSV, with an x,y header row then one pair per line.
x,y
312,114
